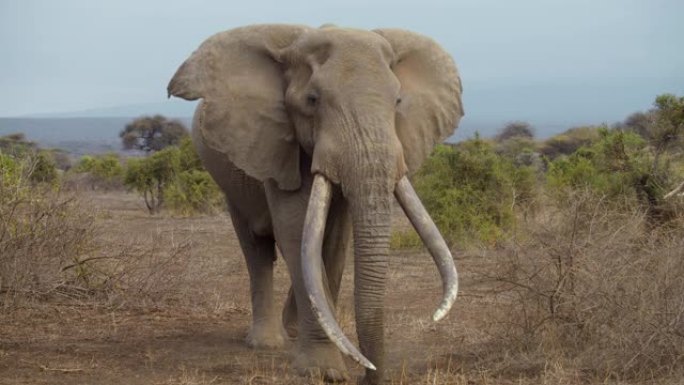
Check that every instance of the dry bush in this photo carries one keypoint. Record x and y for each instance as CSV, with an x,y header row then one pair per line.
x,y
151,273
52,246
593,288
41,232
39,237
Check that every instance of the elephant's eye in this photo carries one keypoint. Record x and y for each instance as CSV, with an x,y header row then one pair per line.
x,y
398,100
311,100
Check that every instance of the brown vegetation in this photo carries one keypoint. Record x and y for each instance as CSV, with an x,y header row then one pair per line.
x,y
165,300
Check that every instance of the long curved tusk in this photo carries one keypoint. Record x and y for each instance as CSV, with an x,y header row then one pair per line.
x,y
415,211
312,269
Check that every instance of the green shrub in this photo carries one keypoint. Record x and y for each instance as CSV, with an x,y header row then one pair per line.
x,y
193,191
37,167
85,164
189,160
40,165
10,172
43,168
616,166
471,191
174,177
149,176
102,171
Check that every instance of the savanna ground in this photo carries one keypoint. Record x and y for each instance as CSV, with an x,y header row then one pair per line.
x,y
179,311
185,313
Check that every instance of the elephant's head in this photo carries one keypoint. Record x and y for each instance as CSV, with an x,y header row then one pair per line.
x,y
363,108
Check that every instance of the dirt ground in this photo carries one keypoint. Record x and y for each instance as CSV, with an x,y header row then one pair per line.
x,y
192,330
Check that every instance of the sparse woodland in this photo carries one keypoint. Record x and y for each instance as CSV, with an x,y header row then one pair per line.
x,y
570,249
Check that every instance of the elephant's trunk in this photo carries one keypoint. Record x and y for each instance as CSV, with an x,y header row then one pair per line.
x,y
371,217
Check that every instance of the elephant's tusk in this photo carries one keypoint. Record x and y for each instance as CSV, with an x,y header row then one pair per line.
x,y
434,242
312,269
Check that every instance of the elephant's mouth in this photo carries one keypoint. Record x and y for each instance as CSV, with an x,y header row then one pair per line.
x,y
312,242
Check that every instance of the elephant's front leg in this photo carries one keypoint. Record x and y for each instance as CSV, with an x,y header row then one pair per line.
x,y
315,354
259,252
336,246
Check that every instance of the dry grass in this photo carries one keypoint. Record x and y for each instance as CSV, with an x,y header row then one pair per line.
x,y
582,294
52,247
592,290
43,237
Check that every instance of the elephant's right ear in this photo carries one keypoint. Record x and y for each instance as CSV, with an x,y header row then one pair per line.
x,y
243,114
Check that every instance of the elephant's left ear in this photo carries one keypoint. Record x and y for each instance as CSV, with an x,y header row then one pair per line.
x,y
430,107
240,80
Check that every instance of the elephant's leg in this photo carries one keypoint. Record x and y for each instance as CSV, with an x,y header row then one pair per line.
x,y
315,354
259,252
336,244
335,249
290,314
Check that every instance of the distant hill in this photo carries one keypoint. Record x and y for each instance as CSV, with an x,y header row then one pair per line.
x,y
78,136
171,108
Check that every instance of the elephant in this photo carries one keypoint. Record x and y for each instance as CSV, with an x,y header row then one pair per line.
x,y
312,133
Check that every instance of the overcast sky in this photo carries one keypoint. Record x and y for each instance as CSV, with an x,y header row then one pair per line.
x,y
543,60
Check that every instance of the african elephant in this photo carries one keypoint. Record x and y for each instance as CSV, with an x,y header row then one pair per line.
x,y
311,132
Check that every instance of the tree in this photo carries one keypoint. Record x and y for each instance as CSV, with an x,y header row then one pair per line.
x,y
172,178
17,145
667,134
515,130
668,128
571,140
151,175
662,126
152,133
640,123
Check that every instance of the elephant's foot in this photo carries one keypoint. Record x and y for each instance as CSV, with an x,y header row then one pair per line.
x,y
291,331
265,336
372,377
320,360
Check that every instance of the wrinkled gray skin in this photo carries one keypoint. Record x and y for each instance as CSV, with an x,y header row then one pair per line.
x,y
282,103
